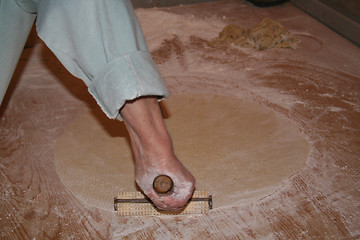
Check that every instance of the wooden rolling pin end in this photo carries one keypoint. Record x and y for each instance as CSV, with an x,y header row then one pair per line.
x,y
163,184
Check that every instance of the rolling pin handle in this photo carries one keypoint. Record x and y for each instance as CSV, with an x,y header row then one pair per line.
x,y
163,184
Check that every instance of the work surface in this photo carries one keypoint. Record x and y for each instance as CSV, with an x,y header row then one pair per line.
x,y
316,87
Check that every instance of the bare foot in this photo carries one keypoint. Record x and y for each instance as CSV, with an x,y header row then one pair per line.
x,y
154,154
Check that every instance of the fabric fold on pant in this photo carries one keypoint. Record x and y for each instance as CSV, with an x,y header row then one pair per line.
x,y
29,6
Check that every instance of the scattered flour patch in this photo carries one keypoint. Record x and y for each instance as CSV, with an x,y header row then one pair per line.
x,y
335,109
175,24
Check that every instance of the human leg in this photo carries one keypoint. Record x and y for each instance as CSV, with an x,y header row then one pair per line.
x,y
154,153
101,42
15,26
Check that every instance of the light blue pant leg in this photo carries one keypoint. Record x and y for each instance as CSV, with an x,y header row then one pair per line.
x,y
101,42
15,26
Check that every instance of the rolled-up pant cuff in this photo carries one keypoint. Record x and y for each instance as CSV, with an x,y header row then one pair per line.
x,y
125,78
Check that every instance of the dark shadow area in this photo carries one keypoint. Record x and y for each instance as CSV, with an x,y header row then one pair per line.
x,y
266,3
164,3
350,8
342,17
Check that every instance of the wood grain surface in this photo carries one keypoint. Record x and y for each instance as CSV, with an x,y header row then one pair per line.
x,y
317,87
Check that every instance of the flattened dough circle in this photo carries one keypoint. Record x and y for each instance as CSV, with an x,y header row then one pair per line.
x,y
237,150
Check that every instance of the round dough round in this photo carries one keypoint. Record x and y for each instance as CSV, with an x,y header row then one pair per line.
x,y
236,150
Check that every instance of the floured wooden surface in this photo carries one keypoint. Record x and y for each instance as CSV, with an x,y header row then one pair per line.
x,y
315,87
236,150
